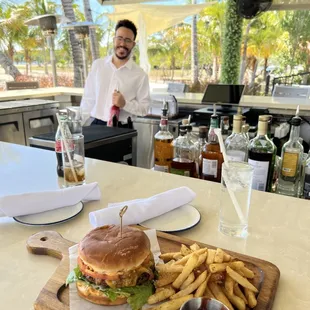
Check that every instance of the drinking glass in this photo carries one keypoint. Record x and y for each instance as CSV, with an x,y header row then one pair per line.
x,y
235,198
74,169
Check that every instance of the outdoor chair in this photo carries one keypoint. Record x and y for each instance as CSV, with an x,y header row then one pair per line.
x,y
291,92
177,88
21,85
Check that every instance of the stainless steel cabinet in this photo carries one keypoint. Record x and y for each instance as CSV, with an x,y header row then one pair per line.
x,y
12,128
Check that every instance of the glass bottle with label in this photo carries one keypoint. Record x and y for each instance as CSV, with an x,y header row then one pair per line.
x,y
202,141
183,162
163,148
261,157
236,144
306,192
58,137
291,161
212,159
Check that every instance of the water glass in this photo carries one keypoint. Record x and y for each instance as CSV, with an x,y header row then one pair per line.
x,y
235,198
73,161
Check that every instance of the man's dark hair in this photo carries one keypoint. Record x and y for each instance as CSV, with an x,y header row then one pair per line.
x,y
127,24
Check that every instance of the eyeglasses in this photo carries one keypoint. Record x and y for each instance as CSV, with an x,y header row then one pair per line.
x,y
121,39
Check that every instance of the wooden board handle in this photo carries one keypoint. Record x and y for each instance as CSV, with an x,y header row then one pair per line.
x,y
49,243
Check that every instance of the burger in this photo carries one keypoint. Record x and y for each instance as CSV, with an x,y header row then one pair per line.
x,y
114,268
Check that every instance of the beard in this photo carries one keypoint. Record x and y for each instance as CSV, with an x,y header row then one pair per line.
x,y
122,52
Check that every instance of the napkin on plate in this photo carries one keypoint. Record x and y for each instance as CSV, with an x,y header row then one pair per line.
x,y
30,203
140,210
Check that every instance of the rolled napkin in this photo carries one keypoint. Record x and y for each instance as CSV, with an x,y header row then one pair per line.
x,y
30,203
140,210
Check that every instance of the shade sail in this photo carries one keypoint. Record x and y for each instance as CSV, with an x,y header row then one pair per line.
x,y
151,18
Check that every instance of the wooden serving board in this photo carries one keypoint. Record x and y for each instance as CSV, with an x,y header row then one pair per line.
x,y
55,295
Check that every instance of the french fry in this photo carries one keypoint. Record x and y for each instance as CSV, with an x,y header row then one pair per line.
x,y
169,268
208,293
218,267
211,255
201,289
191,287
173,304
178,256
166,257
185,250
229,284
241,280
189,267
194,247
219,256
161,294
190,279
219,295
250,296
201,259
238,292
166,278
227,257
235,300
247,272
186,258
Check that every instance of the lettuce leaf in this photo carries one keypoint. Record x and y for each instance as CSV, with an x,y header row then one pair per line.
x,y
137,296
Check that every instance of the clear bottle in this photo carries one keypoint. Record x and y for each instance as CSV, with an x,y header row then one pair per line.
x,y
202,141
191,136
224,127
306,183
163,148
183,162
262,153
58,137
212,159
291,161
236,144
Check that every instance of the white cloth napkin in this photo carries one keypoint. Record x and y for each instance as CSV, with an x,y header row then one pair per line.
x,y
140,210
78,303
30,203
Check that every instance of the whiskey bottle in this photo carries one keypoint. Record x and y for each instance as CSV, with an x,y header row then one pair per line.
x,y
163,148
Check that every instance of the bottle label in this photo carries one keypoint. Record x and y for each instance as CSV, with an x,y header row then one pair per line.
x,y
163,152
209,167
183,172
289,164
260,174
161,168
235,155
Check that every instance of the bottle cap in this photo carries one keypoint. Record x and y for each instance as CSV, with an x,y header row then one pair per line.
x,y
296,121
184,121
238,117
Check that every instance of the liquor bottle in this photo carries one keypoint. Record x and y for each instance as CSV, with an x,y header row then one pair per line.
x,y
291,161
58,137
306,184
183,162
202,141
212,158
163,148
224,127
261,157
236,144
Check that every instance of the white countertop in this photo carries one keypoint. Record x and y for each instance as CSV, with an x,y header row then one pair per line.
x,y
284,104
279,225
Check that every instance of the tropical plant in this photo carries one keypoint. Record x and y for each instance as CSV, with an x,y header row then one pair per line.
x,y
231,44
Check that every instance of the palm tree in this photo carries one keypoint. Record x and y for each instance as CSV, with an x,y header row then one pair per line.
x,y
94,44
76,50
194,51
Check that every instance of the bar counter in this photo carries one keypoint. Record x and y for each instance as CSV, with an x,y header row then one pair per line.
x,y
276,105
279,226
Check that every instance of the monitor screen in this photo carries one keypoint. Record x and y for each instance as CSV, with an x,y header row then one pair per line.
x,y
222,93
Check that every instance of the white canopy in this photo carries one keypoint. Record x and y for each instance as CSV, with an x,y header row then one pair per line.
x,y
151,18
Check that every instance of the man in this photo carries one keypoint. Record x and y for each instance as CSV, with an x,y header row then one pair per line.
x,y
117,81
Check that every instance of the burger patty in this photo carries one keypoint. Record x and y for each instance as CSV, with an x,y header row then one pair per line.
x,y
96,281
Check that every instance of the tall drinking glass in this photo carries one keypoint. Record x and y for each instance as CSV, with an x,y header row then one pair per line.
x,y
74,169
235,198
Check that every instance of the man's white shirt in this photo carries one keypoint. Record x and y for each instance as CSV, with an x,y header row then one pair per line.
x,y
130,80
